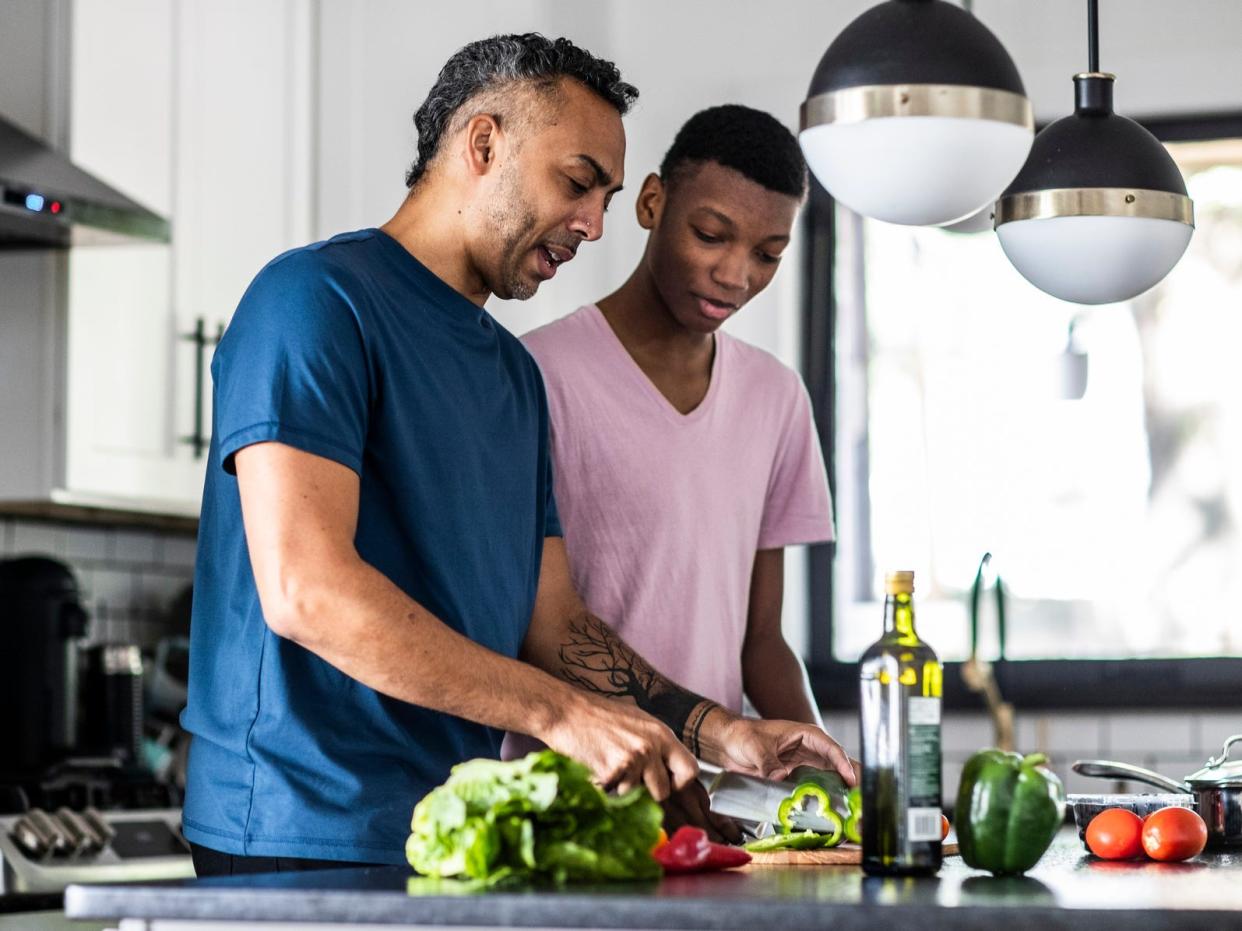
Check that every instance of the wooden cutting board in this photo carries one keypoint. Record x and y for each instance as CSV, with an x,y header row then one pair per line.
x,y
843,855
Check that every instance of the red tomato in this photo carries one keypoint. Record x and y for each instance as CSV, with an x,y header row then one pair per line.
x,y
1115,834
1174,834
944,827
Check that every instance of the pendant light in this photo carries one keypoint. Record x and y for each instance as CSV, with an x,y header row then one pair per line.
x,y
1099,213
916,114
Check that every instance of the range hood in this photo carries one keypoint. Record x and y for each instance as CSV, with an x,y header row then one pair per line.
x,y
47,201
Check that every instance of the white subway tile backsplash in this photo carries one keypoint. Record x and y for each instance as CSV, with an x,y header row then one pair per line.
x,y
156,590
180,551
34,539
1162,734
1214,727
963,734
88,543
113,588
1059,734
134,546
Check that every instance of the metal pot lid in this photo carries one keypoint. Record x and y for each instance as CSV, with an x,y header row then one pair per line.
x,y
1220,771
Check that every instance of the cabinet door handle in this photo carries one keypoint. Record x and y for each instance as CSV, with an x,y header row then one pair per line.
x,y
201,341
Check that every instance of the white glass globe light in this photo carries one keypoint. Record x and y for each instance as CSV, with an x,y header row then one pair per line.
x,y
916,170
1094,259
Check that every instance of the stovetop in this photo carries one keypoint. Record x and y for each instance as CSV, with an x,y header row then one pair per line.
x,y
44,851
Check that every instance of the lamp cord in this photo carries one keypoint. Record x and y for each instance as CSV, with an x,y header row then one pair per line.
x,y
1093,35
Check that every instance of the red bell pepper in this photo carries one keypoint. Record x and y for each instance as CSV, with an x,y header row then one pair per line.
x,y
689,851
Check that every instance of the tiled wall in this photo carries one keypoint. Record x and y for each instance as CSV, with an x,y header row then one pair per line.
x,y
1173,743
128,578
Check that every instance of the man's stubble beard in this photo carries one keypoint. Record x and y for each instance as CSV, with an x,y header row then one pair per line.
x,y
512,218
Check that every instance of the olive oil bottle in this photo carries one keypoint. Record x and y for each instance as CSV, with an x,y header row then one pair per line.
x,y
900,724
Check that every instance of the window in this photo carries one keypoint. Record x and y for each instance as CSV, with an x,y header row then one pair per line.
x,y
1096,452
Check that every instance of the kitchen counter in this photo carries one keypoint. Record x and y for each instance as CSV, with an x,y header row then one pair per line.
x,y
1067,888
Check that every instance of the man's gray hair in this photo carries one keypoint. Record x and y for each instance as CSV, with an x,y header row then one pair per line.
x,y
490,64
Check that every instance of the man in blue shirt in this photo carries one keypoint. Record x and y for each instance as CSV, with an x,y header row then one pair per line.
x,y
381,589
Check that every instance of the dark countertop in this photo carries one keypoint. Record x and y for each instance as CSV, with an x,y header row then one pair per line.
x,y
1066,888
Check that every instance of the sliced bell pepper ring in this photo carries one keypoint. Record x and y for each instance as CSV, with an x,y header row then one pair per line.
x,y
800,840
853,827
801,794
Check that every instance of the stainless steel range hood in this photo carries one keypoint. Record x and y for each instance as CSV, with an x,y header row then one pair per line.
x,y
47,201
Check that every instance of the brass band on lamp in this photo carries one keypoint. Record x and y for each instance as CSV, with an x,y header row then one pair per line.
x,y
856,104
1095,202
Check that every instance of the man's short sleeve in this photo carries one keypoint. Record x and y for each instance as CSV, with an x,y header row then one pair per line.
x,y
292,367
551,519
798,508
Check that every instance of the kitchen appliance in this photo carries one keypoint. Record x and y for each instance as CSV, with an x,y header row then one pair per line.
x,y
44,851
112,720
1217,790
46,200
41,621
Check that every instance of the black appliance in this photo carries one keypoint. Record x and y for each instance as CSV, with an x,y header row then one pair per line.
x,y
41,622
70,719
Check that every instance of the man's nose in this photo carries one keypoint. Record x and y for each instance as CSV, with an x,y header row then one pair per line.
x,y
588,222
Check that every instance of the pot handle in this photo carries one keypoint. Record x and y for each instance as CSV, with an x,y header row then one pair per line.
x,y
1107,769
1224,753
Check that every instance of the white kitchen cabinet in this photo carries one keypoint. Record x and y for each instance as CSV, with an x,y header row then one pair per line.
x,y
200,111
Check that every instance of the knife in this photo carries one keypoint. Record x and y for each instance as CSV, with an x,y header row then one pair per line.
x,y
754,800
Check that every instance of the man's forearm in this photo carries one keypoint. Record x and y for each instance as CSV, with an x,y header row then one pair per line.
x,y
776,683
588,654
357,620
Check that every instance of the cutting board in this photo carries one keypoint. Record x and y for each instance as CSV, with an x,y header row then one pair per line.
x,y
843,855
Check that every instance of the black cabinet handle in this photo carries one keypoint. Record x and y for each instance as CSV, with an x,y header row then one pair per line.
x,y
201,341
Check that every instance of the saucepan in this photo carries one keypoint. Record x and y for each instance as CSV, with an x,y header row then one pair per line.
x,y
1217,790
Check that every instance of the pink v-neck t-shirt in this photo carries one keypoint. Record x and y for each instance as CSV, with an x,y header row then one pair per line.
x,y
663,512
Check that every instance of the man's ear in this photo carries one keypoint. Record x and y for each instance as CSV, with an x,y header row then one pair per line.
x,y
649,206
483,137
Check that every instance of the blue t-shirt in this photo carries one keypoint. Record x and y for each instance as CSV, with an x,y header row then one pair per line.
x,y
352,350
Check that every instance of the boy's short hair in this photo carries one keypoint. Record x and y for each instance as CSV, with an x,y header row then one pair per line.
x,y
749,141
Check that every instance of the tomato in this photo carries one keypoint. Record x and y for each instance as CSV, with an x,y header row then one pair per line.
x,y
661,839
1115,834
1174,834
944,827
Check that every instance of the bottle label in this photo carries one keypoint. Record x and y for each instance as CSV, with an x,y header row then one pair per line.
x,y
923,824
923,717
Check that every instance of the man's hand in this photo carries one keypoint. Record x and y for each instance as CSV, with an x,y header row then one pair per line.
x,y
770,749
692,806
623,746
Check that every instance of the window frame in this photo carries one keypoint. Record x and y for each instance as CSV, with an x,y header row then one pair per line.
x,y
1028,684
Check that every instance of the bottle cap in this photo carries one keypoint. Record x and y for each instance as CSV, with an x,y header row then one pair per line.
x,y
900,582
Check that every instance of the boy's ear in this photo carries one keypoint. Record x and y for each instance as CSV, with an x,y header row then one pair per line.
x,y
649,206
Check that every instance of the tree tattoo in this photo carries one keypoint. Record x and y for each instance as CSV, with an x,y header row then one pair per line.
x,y
595,659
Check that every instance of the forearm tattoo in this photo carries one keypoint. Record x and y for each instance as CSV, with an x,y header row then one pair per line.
x,y
594,658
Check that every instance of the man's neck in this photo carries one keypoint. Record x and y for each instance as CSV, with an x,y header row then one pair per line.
x,y
649,331
428,224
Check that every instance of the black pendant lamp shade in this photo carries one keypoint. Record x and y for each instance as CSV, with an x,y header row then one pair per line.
x,y
915,42
1081,160
1099,213
916,58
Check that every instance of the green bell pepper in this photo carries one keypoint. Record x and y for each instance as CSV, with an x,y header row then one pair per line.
x,y
1009,808
801,794
801,840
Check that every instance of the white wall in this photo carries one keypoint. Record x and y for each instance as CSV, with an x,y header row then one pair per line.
x,y
379,58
